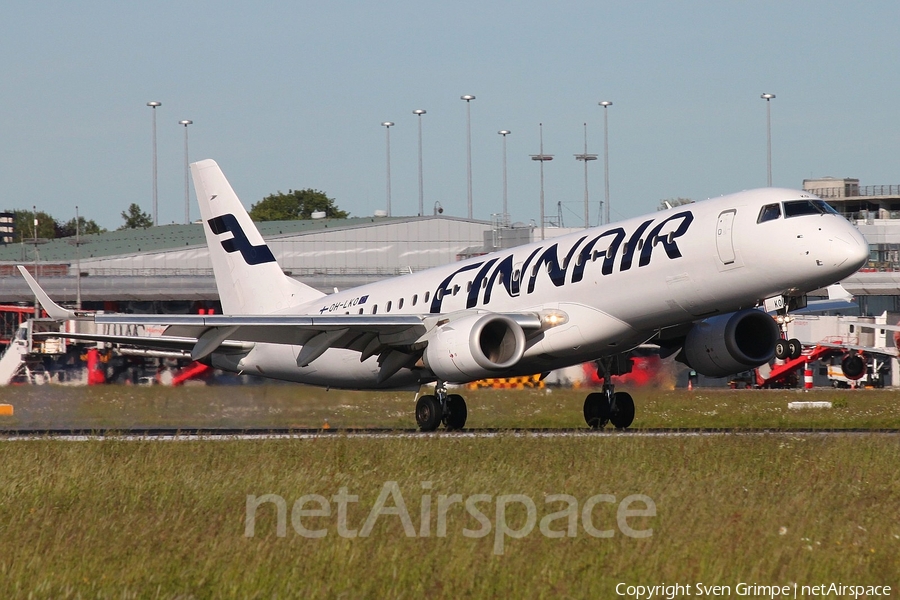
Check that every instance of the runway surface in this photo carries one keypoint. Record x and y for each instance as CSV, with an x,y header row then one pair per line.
x,y
187,434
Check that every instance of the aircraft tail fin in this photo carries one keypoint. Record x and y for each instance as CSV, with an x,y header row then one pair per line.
x,y
248,278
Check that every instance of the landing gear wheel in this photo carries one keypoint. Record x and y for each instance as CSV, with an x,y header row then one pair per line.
x,y
795,349
456,412
596,410
622,414
782,349
428,413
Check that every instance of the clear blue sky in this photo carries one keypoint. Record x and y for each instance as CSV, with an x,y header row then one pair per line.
x,y
291,95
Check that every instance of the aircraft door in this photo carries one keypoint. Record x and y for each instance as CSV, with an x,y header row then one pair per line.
x,y
724,238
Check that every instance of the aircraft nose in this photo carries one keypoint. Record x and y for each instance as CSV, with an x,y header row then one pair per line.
x,y
848,249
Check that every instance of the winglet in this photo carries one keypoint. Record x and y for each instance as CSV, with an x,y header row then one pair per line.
x,y
838,292
56,312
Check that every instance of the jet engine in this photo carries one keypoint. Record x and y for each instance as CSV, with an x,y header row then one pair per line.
x,y
853,366
474,347
731,343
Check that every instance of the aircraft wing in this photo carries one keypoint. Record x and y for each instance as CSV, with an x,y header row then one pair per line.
x,y
205,334
815,306
201,335
867,349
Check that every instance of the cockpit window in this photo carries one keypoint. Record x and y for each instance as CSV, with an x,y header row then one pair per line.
x,y
769,212
826,208
796,208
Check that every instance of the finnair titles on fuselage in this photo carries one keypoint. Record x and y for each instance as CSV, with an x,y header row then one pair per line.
x,y
510,273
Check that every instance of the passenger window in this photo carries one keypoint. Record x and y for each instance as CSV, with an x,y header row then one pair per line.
x,y
415,299
387,307
427,295
400,304
769,212
374,309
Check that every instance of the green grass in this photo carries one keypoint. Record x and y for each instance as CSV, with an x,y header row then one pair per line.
x,y
120,519
45,407
113,518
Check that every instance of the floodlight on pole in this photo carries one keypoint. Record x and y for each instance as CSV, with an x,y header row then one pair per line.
x,y
505,216
77,259
768,98
387,125
542,158
37,274
187,187
606,104
153,105
419,112
468,98
586,158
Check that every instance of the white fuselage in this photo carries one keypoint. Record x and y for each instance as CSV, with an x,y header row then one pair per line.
x,y
618,284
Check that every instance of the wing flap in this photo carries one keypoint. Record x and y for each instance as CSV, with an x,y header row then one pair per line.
x,y
163,342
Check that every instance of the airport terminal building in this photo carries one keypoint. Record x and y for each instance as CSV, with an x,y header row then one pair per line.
x,y
169,265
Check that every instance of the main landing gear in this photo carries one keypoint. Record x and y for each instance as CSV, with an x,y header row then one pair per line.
x,y
449,409
608,406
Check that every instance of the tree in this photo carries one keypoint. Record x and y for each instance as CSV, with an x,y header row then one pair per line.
x,y
673,202
296,204
24,223
48,227
135,218
85,227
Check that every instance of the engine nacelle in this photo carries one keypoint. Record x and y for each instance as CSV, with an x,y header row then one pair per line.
x,y
731,343
474,347
853,366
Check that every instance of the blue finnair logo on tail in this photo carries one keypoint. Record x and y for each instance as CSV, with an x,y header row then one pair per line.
x,y
253,255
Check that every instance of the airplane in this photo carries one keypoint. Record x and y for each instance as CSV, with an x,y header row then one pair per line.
x,y
692,279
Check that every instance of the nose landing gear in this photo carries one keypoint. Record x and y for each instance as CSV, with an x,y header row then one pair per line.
x,y
788,349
